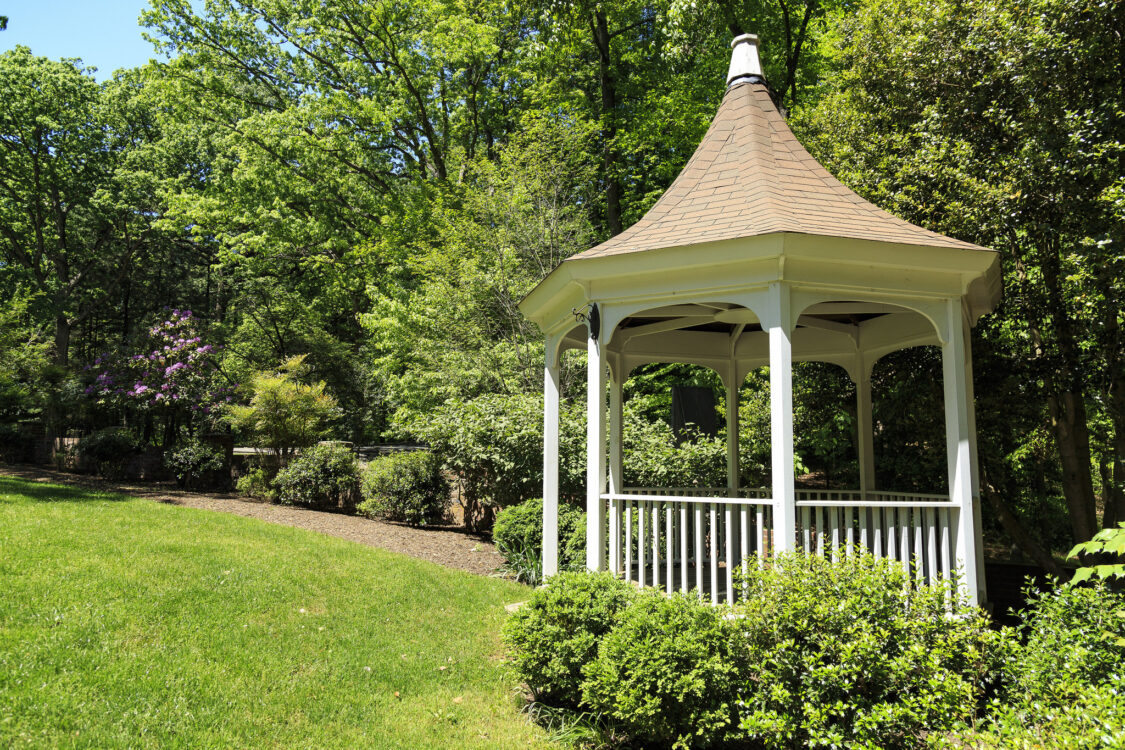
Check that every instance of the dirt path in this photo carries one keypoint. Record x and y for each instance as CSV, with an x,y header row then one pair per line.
x,y
448,546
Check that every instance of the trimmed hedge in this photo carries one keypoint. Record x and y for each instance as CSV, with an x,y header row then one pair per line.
x,y
819,654
323,476
556,633
405,487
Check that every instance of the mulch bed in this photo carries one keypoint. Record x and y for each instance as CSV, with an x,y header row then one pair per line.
x,y
445,545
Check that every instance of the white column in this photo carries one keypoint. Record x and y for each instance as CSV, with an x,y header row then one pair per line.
x,y
982,590
731,382
865,445
550,467
595,456
781,417
959,446
616,462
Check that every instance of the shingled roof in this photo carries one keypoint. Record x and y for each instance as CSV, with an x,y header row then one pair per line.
x,y
751,176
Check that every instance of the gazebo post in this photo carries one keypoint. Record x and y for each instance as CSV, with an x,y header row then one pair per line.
x,y
595,450
982,589
781,416
959,445
730,380
550,464
865,447
616,461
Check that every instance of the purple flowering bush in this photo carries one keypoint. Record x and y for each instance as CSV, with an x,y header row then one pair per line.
x,y
174,373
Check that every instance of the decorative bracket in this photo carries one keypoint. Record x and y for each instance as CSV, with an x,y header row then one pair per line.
x,y
591,316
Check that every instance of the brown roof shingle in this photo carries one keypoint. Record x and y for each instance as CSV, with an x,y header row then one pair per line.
x,y
751,176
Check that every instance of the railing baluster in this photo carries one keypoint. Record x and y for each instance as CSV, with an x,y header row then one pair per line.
x,y
683,547
806,530
698,552
614,537
669,542
642,542
714,577
760,535
628,540
729,528
656,544
744,539
904,548
834,515
931,546
891,538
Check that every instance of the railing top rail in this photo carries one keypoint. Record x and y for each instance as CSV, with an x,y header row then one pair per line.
x,y
876,504
687,498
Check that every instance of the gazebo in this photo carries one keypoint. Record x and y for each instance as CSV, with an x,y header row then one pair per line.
x,y
756,256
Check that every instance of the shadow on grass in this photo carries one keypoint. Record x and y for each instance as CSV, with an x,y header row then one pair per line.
x,y
54,493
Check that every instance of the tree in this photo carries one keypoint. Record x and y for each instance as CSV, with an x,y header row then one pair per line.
x,y
284,414
1006,128
55,156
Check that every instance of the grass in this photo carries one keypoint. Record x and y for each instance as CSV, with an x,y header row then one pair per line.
x,y
127,623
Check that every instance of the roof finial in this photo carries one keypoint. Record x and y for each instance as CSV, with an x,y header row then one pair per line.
x,y
744,62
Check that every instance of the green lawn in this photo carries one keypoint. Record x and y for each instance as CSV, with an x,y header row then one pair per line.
x,y
124,622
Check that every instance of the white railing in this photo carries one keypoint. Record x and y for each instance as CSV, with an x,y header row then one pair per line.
x,y
688,538
914,529
694,538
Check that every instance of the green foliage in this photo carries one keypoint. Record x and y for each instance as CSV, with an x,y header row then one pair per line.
x,y
518,535
1063,683
108,451
407,487
557,631
1074,641
198,465
654,459
854,653
669,673
494,444
284,414
257,484
323,476
1107,542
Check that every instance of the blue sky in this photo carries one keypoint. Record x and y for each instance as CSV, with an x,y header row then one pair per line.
x,y
104,33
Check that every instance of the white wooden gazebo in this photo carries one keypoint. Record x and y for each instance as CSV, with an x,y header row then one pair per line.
x,y
757,256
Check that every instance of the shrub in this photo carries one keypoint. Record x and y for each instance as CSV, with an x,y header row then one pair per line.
x,y
406,487
1075,639
1064,684
855,653
256,484
557,631
198,465
518,535
669,673
324,476
495,446
107,451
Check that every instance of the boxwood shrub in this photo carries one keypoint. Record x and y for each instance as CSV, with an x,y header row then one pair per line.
x,y
818,654
557,632
405,487
669,672
323,476
855,653
518,535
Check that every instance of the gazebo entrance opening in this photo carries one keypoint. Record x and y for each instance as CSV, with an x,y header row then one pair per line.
x,y
757,257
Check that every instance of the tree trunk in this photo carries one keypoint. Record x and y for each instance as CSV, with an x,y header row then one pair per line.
x,y
62,341
609,123
1114,491
1072,438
